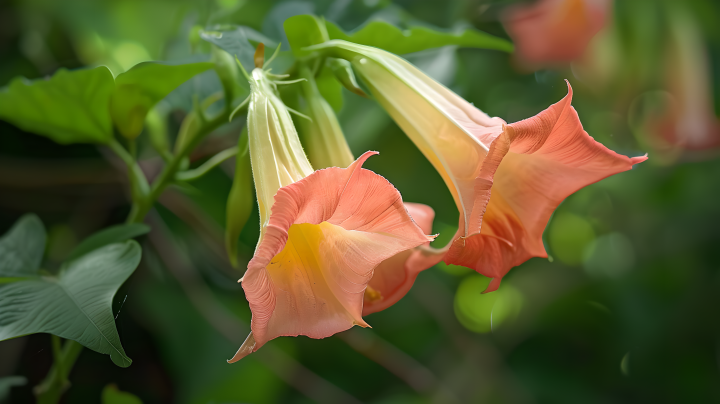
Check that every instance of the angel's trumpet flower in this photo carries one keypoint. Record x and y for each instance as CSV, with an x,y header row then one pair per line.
x,y
322,232
327,147
506,179
555,30
689,120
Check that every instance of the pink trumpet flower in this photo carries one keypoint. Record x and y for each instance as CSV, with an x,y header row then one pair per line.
x,y
555,30
322,232
327,146
689,121
506,179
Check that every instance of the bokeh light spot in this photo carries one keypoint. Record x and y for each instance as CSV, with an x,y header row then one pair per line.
x,y
625,364
483,313
569,235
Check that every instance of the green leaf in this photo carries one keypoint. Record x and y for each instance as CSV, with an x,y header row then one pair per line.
x,y
70,107
22,247
386,36
8,382
140,88
77,304
110,235
111,395
304,30
238,41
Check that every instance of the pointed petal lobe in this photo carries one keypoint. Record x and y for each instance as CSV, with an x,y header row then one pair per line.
x,y
546,158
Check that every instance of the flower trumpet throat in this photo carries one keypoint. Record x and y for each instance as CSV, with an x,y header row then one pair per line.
x,y
323,232
506,179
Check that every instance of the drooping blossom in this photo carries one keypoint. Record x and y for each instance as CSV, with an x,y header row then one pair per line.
x,y
688,119
327,147
506,179
552,31
322,232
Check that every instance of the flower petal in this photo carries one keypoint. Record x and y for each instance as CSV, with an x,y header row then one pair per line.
x,y
325,236
537,163
555,30
394,277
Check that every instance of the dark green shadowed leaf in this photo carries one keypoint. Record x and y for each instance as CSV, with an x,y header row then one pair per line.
x,y
110,235
111,395
77,304
144,85
22,248
238,41
386,36
70,107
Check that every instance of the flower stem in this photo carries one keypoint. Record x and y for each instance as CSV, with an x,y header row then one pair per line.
x,y
214,161
56,381
167,175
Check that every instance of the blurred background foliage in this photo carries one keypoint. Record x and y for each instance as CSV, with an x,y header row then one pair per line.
x,y
621,313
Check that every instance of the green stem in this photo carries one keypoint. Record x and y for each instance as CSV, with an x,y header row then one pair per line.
x,y
56,381
214,161
139,187
167,175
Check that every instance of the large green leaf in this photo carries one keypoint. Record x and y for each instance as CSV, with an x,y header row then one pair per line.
x,y
70,107
386,36
77,304
144,85
238,41
21,249
110,235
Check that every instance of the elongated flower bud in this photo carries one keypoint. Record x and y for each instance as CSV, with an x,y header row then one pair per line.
x,y
326,143
276,154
